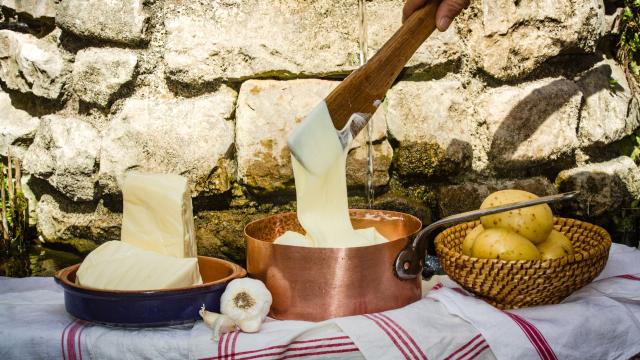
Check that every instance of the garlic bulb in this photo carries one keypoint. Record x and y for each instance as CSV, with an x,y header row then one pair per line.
x,y
220,324
246,301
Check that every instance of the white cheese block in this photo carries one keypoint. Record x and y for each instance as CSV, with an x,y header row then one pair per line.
x,y
158,215
116,265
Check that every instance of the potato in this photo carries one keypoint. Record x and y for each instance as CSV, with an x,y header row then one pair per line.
x,y
503,244
467,244
557,245
533,222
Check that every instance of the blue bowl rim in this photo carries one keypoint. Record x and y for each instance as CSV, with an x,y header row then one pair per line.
x,y
62,278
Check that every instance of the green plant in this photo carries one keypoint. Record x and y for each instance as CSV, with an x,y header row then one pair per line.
x,y
14,223
626,223
630,146
629,44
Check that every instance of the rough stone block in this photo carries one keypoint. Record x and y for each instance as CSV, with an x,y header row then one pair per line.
x,y
65,153
531,124
122,21
434,125
509,39
454,199
608,113
191,137
17,128
78,225
263,38
98,73
603,186
29,64
221,233
34,8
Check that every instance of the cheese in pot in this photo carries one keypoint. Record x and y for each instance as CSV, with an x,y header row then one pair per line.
x,y
116,265
157,214
322,204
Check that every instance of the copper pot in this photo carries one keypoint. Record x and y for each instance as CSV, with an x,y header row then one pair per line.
x,y
315,284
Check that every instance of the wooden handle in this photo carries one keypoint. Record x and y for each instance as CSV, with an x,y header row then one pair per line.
x,y
371,81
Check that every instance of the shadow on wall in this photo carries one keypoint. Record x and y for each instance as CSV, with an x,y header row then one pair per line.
x,y
85,223
530,113
605,201
428,159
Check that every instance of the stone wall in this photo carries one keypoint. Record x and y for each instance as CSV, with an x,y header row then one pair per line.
x,y
515,94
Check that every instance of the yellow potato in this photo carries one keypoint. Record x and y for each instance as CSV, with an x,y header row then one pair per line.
x,y
467,244
503,244
533,222
557,245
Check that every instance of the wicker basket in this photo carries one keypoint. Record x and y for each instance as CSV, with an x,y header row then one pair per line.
x,y
521,283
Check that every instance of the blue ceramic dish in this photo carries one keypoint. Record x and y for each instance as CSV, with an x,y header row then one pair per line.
x,y
152,307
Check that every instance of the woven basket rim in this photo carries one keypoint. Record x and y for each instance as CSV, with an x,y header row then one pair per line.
x,y
569,259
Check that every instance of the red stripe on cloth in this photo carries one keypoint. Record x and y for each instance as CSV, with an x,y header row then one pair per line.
x,y
71,340
321,353
220,340
437,286
386,331
84,326
279,353
535,337
406,335
233,344
480,351
218,357
474,347
629,277
473,339
397,334
227,345
550,353
534,343
64,334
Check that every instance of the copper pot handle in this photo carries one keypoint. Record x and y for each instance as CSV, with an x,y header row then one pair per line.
x,y
410,261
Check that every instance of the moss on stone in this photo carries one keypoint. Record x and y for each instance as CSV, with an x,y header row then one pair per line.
x,y
76,245
221,233
426,159
45,261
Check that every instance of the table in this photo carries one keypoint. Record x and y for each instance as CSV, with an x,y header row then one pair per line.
x,y
601,320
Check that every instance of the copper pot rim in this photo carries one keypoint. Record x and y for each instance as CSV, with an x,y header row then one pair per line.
x,y
352,211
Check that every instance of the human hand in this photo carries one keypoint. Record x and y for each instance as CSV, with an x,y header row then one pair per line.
x,y
447,10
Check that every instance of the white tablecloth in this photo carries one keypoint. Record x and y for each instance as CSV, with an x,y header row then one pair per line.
x,y
447,323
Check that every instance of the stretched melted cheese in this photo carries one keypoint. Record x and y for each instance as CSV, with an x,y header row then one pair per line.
x,y
116,265
158,214
322,204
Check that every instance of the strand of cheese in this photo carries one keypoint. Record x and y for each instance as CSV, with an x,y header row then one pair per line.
x,y
322,204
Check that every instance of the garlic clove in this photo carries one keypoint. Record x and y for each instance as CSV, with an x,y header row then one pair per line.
x,y
208,317
219,323
250,325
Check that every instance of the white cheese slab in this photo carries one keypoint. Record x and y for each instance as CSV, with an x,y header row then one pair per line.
x,y
116,265
158,214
